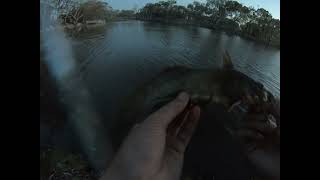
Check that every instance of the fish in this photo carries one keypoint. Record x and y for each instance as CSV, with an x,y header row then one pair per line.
x,y
224,85
218,91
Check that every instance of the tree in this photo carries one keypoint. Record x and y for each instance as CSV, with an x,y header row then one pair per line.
x,y
219,14
263,19
232,6
217,10
64,6
215,4
244,15
168,3
197,9
166,7
250,24
94,10
126,13
69,11
147,11
233,9
89,10
178,12
273,31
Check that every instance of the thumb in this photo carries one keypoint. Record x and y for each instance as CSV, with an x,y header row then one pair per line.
x,y
168,112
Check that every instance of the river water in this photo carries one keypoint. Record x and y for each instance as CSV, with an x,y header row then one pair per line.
x,y
125,54
113,61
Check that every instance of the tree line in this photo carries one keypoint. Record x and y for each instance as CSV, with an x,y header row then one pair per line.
x,y
81,11
227,15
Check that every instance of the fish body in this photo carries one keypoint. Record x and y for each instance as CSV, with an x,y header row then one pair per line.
x,y
220,93
223,86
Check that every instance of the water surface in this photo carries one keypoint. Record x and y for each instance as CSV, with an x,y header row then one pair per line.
x,y
125,54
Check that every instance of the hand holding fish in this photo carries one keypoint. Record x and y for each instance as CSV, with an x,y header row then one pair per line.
x,y
261,137
154,149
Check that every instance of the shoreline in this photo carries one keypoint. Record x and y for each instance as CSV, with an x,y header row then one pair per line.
x,y
203,25
79,28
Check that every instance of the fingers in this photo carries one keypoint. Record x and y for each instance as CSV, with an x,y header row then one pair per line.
x,y
189,126
168,112
179,141
175,126
259,133
261,123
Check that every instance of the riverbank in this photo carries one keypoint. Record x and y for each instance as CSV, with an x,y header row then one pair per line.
x,y
206,24
72,29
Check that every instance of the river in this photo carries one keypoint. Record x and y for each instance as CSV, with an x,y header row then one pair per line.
x,y
118,58
125,54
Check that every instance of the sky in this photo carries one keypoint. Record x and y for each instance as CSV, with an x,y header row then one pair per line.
x,y
273,6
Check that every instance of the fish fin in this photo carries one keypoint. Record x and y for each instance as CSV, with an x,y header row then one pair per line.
x,y
227,63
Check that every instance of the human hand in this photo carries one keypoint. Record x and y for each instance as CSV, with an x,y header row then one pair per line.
x,y
261,137
154,149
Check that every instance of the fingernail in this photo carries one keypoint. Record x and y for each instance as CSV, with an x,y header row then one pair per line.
x,y
183,96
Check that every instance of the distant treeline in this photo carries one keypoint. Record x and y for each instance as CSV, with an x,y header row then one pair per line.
x,y
229,16
73,12
225,15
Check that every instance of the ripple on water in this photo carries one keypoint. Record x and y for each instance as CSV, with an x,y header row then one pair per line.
x,y
136,51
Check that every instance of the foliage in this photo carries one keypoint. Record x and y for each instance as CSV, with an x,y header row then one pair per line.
x,y
78,11
227,15
126,14
95,10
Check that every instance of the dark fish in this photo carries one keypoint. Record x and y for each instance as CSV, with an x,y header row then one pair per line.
x,y
222,85
216,91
